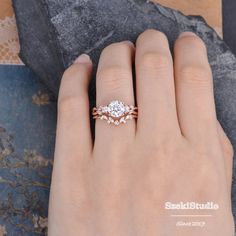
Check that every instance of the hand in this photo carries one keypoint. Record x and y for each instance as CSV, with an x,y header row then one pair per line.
x,y
175,152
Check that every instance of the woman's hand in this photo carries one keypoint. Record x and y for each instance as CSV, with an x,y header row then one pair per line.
x,y
176,151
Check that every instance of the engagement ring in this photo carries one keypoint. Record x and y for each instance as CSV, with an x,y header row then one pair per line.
x,y
116,112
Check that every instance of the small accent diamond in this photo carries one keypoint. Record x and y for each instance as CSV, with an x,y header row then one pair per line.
x,y
127,109
122,120
111,120
105,109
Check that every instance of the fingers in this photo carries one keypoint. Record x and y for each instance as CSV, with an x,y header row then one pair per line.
x,y
74,141
155,85
115,82
194,89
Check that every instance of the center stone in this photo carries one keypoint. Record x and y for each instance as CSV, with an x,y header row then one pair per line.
x,y
116,109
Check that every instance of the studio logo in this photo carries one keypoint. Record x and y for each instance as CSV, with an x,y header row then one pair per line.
x,y
191,206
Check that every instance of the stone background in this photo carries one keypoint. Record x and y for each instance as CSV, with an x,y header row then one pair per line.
x,y
9,44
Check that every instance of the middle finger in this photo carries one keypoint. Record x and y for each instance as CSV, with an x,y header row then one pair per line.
x,y
155,86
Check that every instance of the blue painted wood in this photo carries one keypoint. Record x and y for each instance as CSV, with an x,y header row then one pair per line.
x,y
27,134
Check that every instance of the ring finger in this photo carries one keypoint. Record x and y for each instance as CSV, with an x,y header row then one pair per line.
x,y
115,82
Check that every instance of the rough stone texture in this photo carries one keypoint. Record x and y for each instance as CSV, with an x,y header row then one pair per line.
x,y
54,32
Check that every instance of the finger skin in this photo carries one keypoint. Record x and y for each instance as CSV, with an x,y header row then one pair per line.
x,y
115,82
155,85
228,153
73,144
194,89
74,140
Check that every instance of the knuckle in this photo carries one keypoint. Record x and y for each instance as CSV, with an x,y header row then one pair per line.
x,y
68,103
155,61
114,77
196,75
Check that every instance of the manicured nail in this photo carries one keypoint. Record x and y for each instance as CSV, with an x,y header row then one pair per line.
x,y
83,59
187,34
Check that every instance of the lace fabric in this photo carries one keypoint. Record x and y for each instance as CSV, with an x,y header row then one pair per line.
x,y
9,42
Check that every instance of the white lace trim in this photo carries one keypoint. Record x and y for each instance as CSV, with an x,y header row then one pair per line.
x,y
9,42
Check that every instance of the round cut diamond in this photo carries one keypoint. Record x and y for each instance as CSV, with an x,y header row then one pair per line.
x,y
116,108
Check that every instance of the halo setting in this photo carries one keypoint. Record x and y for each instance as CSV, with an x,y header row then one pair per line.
x,y
115,112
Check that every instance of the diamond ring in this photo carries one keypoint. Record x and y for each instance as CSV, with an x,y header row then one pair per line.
x,y
116,112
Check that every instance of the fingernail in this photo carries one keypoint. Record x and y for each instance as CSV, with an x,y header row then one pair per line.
x,y
129,43
187,34
83,58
